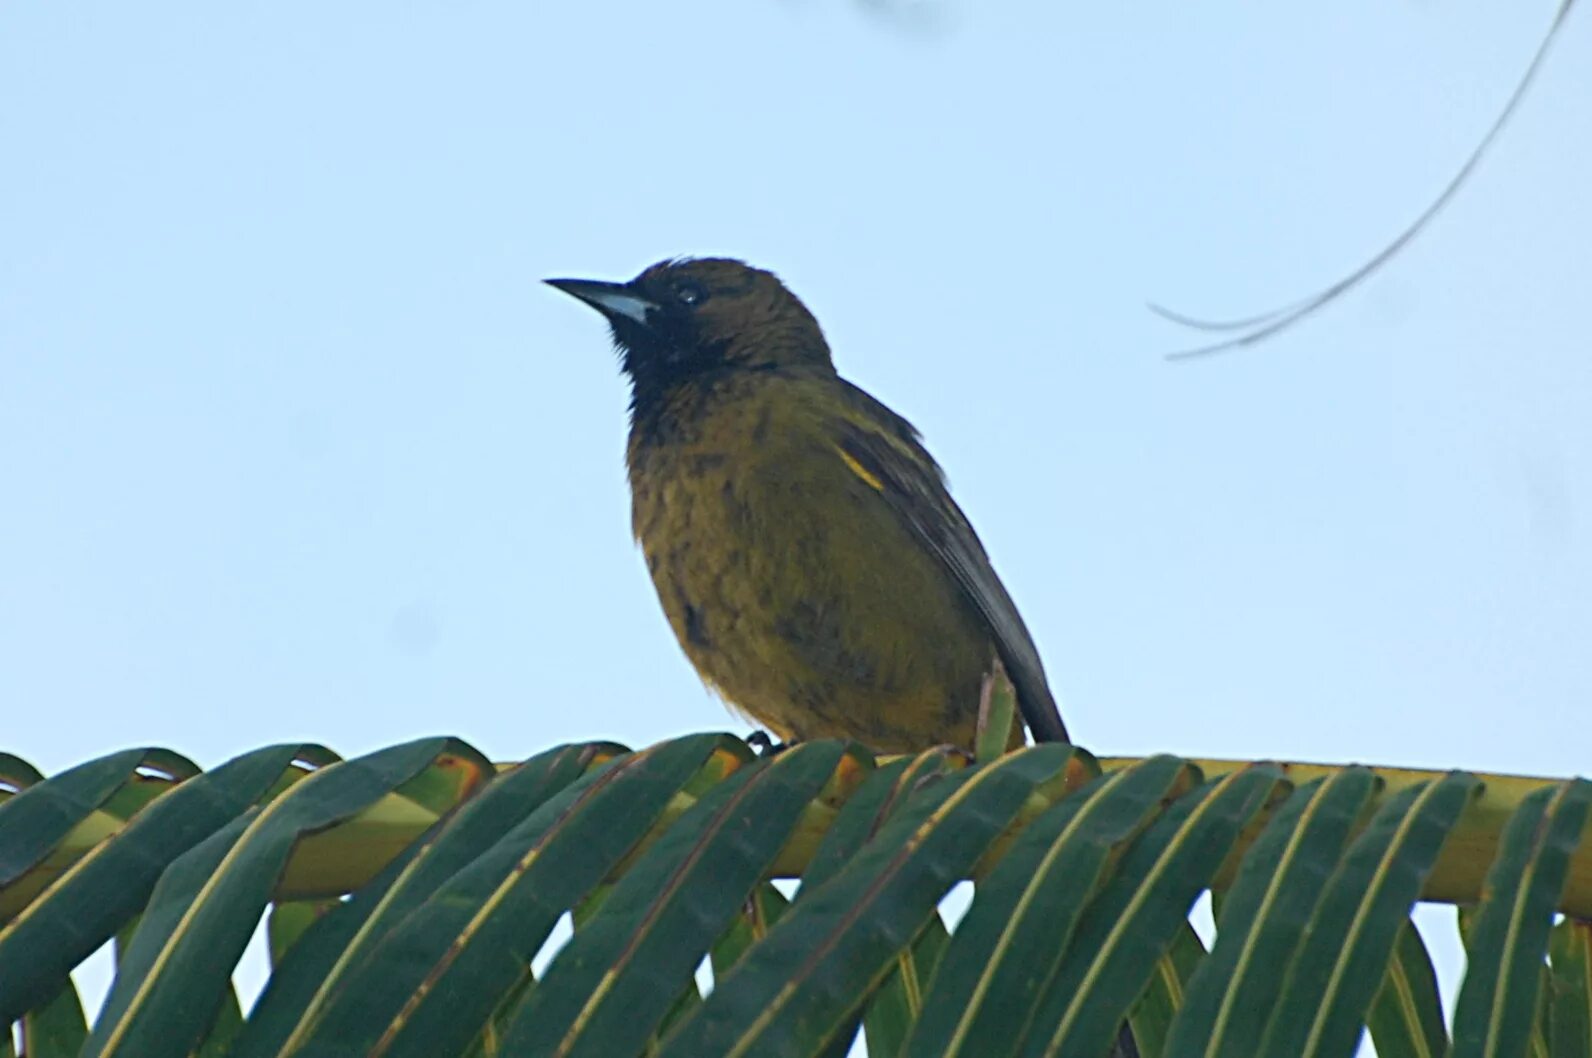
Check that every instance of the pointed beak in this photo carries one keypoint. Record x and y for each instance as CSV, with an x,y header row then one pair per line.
x,y
614,300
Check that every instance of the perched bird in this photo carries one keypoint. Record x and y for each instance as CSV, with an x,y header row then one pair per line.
x,y
803,544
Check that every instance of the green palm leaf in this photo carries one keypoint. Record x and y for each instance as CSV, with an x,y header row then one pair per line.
x,y
407,893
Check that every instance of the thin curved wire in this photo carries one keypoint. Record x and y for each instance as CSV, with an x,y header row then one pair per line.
x,y
1269,323
1198,324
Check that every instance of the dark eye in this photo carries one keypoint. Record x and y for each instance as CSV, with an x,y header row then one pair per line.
x,y
691,294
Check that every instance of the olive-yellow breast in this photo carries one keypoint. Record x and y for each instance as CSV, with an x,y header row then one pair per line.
x,y
803,544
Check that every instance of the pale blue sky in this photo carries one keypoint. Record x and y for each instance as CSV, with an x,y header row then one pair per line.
x,y
295,446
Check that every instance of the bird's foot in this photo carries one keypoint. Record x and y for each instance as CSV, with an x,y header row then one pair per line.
x,y
763,744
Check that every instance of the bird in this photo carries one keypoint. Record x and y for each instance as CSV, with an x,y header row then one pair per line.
x,y
802,541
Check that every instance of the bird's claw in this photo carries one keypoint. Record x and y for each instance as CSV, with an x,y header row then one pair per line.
x,y
763,744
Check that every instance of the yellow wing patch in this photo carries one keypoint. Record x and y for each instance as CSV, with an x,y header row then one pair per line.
x,y
861,471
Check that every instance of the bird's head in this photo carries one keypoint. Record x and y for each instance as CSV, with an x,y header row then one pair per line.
x,y
689,316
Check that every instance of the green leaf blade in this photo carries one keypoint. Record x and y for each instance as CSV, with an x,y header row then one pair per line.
x,y
1497,1009
1140,910
431,983
797,990
1023,915
1343,954
609,989
176,970
1277,889
110,884
1406,1018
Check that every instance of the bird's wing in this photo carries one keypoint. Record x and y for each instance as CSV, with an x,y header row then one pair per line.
x,y
884,450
